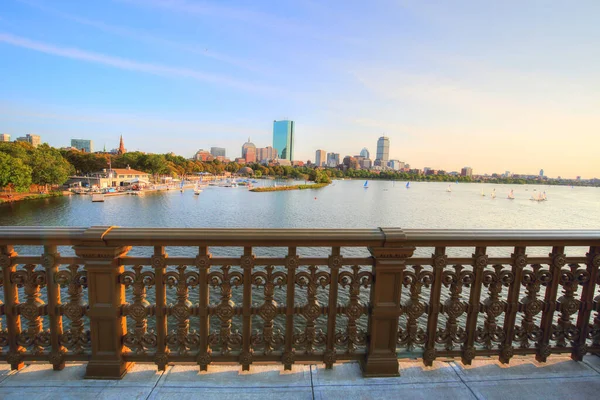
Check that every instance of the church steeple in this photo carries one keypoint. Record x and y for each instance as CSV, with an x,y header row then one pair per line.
x,y
122,147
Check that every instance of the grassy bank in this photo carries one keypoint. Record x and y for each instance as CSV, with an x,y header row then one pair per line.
x,y
293,187
28,196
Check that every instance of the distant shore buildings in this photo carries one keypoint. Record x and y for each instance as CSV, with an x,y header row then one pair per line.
x,y
83,145
33,140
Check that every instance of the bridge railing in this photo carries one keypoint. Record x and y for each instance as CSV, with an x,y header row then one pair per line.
x,y
295,296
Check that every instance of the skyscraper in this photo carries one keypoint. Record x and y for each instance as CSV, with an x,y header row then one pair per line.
x,y
365,153
83,145
466,171
249,151
217,151
541,172
4,137
333,159
383,151
320,160
283,139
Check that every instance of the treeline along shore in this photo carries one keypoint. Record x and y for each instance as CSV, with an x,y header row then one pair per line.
x,y
42,169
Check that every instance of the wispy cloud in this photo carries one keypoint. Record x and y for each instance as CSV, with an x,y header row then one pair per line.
x,y
143,36
263,20
131,65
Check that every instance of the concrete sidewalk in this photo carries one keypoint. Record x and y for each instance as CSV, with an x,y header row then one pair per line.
x,y
559,378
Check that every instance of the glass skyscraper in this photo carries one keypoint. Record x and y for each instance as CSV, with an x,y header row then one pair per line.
x,y
283,139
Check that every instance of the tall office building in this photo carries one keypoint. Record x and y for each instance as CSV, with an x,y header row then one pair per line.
x,y
320,158
265,154
83,145
249,151
383,151
541,172
466,171
34,140
333,159
283,139
217,151
365,153
4,137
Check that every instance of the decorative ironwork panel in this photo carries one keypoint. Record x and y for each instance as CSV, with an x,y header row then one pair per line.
x,y
224,280
76,339
141,339
181,340
534,278
354,281
495,280
35,339
310,279
410,334
454,307
565,331
269,339
3,330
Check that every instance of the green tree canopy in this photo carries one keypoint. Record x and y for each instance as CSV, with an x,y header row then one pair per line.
x,y
14,172
49,167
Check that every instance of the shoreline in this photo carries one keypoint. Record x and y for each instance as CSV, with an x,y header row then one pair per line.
x,y
33,196
287,188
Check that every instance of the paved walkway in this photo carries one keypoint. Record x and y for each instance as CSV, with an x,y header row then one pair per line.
x,y
560,378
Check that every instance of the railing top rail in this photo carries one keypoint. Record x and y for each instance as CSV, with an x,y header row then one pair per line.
x,y
41,235
502,237
378,237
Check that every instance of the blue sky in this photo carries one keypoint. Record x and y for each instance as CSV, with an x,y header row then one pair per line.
x,y
496,85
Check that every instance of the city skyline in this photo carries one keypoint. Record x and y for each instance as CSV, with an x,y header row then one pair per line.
x,y
485,88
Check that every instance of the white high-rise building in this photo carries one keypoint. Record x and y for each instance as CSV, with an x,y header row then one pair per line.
x,y
321,158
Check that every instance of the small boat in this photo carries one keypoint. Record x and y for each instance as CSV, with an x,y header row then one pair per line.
x,y
449,188
493,195
181,186
540,197
511,195
482,193
197,190
366,185
408,185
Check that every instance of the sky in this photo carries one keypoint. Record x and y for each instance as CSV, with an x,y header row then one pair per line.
x,y
511,85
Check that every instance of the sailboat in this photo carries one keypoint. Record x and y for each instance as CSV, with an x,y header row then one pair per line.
x,y
449,188
482,194
540,197
197,189
511,195
494,194
366,185
181,186
408,185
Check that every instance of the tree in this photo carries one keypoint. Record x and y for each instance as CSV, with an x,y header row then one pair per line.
x,y
49,167
14,172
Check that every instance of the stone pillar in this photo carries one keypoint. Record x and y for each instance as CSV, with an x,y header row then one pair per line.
x,y
386,290
106,296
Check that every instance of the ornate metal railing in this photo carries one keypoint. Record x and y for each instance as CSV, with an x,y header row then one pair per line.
x,y
295,296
